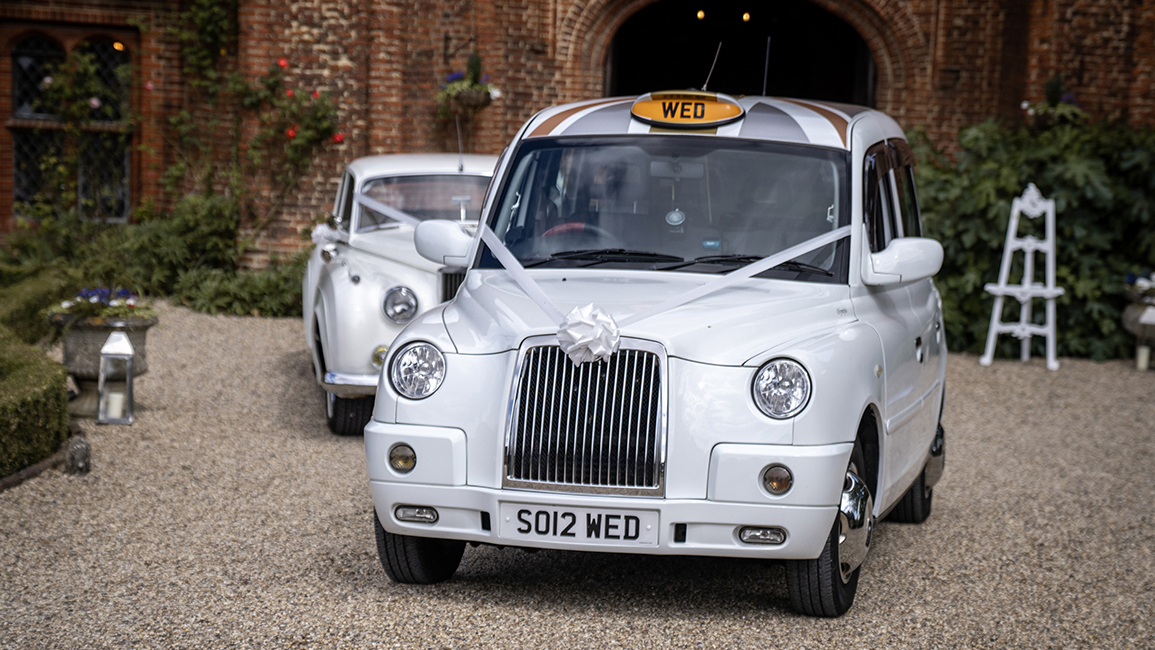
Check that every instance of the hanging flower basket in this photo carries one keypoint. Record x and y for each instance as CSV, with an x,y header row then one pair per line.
x,y
468,102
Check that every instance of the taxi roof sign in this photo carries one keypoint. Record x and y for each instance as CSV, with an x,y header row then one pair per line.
x,y
686,109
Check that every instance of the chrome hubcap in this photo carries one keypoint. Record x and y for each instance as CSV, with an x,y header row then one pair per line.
x,y
855,524
330,400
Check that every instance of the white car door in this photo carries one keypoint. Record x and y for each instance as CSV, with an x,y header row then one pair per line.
x,y
889,310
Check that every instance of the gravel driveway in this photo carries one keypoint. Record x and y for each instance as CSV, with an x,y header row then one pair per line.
x,y
228,515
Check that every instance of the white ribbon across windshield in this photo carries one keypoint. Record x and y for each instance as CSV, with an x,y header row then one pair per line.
x,y
531,288
392,213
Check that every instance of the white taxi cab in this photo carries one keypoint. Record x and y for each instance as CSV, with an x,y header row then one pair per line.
x,y
691,325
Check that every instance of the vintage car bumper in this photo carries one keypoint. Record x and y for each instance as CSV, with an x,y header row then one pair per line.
x,y
668,526
344,384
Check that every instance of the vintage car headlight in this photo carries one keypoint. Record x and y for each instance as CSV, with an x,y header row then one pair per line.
x,y
400,305
781,388
417,370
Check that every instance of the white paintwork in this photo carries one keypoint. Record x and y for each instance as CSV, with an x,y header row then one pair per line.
x,y
1032,204
347,316
905,260
857,341
443,242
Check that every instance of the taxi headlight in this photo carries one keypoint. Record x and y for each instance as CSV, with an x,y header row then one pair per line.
x,y
417,370
781,388
400,305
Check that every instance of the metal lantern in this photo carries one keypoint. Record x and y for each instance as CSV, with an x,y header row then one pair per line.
x,y
115,383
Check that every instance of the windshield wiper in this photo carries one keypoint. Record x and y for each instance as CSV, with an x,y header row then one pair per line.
x,y
792,265
599,255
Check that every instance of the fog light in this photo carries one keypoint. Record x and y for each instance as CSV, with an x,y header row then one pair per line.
x,y
416,514
378,357
402,458
762,535
777,480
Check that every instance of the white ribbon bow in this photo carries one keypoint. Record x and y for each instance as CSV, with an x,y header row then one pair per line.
x,y
588,334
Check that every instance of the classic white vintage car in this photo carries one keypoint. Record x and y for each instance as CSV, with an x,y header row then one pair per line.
x,y
691,325
364,281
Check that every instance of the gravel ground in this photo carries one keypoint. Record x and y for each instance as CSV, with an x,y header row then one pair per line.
x,y
228,515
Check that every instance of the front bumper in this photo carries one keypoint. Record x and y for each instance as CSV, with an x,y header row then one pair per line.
x,y
343,384
709,525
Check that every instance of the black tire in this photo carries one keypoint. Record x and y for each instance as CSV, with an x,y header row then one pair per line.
x,y
816,587
348,416
417,560
914,508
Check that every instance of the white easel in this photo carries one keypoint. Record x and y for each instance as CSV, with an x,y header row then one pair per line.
x,y
1032,204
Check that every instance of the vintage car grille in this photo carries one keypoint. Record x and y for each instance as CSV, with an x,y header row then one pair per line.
x,y
451,279
598,427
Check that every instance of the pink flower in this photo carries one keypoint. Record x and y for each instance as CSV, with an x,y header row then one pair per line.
x,y
148,85
94,102
338,138
283,62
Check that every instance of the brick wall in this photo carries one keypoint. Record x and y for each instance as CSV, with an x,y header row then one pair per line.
x,y
942,64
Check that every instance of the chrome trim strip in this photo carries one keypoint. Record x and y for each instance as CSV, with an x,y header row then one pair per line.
x,y
554,437
343,384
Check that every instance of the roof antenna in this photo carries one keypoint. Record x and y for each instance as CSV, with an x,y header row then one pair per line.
x,y
712,66
460,149
766,70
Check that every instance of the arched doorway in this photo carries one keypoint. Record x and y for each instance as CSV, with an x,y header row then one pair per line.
x,y
671,44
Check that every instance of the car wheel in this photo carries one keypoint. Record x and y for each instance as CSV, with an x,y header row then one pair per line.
x,y
826,586
417,560
348,416
914,508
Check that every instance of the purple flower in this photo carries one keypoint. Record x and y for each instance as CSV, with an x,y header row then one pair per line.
x,y
455,76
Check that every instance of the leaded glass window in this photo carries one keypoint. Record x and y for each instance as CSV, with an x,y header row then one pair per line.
x,y
111,59
32,59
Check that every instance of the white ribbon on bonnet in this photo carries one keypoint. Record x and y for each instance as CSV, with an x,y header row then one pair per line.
x,y
589,333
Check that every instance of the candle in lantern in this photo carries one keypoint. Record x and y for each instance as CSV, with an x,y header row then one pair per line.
x,y
115,406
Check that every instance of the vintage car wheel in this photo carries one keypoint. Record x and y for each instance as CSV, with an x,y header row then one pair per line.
x,y
825,586
348,416
417,560
914,508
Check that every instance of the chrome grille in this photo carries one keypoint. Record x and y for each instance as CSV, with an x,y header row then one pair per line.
x,y
597,427
451,279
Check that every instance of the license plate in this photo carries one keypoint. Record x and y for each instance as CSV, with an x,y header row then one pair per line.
x,y
521,521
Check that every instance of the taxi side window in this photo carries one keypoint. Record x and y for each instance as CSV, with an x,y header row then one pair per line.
x,y
904,187
878,206
345,216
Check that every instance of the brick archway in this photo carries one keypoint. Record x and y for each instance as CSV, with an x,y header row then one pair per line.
x,y
588,27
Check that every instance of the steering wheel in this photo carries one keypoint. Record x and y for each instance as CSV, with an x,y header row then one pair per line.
x,y
578,228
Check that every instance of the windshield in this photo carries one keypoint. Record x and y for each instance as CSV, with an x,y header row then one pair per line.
x,y
441,196
686,203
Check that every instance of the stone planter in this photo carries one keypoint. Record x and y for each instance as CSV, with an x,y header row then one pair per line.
x,y
83,338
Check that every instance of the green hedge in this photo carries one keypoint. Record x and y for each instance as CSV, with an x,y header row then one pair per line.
x,y
33,405
1102,178
22,304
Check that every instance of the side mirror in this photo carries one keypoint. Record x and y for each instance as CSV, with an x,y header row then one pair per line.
x,y
906,259
443,242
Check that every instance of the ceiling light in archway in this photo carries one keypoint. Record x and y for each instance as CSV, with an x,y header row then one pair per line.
x,y
118,46
746,17
701,14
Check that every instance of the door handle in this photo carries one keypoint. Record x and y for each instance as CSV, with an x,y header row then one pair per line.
x,y
919,353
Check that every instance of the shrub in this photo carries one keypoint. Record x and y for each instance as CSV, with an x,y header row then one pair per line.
x,y
22,304
1102,178
33,405
275,291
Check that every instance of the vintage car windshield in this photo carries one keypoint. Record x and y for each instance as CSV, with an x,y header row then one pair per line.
x,y
682,202
431,196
